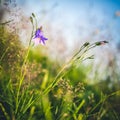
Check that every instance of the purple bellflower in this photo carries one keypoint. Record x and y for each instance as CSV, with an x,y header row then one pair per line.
x,y
39,37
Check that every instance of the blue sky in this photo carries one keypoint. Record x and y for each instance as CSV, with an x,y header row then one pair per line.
x,y
72,15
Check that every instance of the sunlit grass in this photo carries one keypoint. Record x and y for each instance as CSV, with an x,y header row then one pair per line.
x,y
32,87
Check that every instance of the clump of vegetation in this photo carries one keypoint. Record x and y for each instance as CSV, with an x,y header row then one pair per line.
x,y
11,52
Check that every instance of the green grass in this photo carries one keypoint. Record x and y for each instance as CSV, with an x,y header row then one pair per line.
x,y
33,87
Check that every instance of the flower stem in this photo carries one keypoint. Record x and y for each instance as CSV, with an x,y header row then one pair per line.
x,y
22,73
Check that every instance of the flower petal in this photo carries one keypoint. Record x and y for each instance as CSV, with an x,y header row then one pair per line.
x,y
36,41
42,42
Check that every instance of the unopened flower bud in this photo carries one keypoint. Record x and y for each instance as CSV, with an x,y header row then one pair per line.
x,y
86,44
101,43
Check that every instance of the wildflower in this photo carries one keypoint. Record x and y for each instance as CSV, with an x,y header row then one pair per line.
x,y
39,37
101,43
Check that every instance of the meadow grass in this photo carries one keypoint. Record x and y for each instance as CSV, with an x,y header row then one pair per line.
x,y
32,87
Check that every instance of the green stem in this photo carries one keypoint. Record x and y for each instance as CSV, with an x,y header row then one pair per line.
x,y
4,54
82,51
55,80
22,74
